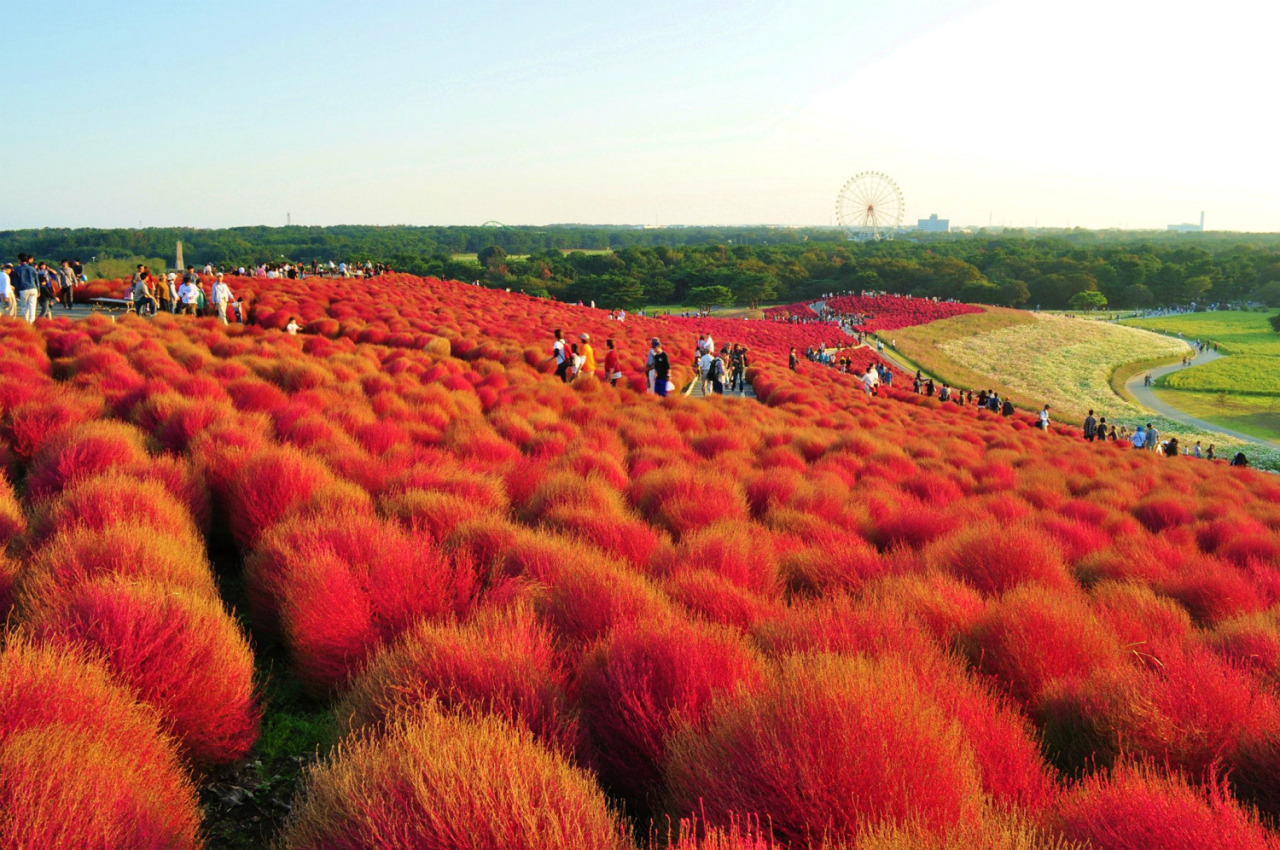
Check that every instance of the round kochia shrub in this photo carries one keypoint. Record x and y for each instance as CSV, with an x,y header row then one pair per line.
x,y
131,550
338,587
833,746
83,451
502,662
645,678
441,782
180,652
81,760
1033,636
1134,808
107,499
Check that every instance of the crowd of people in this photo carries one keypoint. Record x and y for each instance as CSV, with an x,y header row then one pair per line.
x,y
186,295
32,287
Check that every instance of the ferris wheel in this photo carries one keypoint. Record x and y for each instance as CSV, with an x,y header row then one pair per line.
x,y
869,206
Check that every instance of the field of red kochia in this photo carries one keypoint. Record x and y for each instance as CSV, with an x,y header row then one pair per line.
x,y
880,312
581,616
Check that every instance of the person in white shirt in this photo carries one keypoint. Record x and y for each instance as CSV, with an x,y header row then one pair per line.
x,y
870,380
704,365
292,327
222,297
10,304
189,295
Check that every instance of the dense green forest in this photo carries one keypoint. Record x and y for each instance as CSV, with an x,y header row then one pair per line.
x,y
623,266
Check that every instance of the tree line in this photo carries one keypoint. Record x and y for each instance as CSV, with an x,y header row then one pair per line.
x,y
628,267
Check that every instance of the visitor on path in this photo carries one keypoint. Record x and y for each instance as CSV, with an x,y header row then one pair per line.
x,y
792,359
1153,438
189,295
1043,419
870,381
67,282
1146,380
1209,455
48,280
576,362
1140,437
222,297
561,356
611,363
1196,452
143,300
715,373
26,286
588,354
661,368
1090,427
7,302
738,368
1171,447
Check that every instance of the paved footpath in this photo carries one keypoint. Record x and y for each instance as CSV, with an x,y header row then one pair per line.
x,y
1147,398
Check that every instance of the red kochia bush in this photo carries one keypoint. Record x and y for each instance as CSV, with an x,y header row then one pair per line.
x,y
98,502
342,586
1134,808
81,761
440,782
644,679
501,662
1033,636
796,755
994,557
180,652
83,451
132,550
267,486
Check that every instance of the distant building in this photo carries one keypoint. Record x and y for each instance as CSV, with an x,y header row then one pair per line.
x,y
933,224
1189,228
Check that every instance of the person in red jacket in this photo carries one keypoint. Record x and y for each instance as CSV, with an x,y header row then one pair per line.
x,y
611,363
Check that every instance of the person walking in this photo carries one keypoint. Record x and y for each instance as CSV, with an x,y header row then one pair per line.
x,y
1043,419
221,297
47,280
793,360
588,355
715,372
561,356
67,281
1153,438
611,363
26,286
1090,427
189,296
740,364
1139,440
7,302
661,368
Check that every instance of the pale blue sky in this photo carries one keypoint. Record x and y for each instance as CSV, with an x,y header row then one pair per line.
x,y
1096,112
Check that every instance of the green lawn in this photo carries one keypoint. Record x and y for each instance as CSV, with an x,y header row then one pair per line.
x,y
1240,391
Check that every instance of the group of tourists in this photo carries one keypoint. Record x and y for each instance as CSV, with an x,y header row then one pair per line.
x,y
168,293
32,287
573,360
716,368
